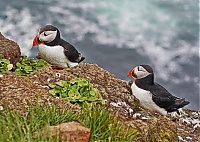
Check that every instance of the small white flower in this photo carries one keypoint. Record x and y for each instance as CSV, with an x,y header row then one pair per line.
x,y
130,110
197,125
188,138
58,74
1,75
44,86
136,115
180,138
144,118
1,107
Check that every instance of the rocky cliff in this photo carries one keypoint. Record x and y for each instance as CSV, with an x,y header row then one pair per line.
x,y
16,91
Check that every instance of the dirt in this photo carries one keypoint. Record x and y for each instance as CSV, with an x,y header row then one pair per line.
x,y
17,91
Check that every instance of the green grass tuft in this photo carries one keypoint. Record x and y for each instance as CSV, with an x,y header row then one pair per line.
x,y
104,126
15,127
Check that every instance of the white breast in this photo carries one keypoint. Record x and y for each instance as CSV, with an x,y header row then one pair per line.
x,y
145,98
55,56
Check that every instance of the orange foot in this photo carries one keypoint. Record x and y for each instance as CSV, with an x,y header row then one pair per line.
x,y
56,68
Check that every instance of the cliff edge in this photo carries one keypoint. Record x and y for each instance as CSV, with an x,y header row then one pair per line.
x,y
16,91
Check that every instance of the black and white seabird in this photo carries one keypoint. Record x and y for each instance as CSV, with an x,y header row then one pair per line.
x,y
55,50
151,95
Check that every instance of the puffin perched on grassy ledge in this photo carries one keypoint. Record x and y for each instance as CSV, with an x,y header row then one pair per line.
x,y
153,96
55,50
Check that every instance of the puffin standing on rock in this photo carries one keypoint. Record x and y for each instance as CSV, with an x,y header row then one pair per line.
x,y
55,50
151,95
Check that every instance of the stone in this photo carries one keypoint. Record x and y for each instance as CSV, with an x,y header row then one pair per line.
x,y
9,50
70,131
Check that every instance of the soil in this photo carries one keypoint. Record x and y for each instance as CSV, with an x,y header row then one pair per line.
x,y
17,92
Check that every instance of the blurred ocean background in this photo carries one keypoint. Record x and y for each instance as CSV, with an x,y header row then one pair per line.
x,y
118,35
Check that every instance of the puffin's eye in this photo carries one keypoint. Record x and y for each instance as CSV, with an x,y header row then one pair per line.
x,y
139,69
45,34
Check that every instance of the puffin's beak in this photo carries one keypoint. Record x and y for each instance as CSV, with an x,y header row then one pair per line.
x,y
35,41
130,73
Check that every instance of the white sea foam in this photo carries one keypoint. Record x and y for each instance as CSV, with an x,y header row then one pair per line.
x,y
134,27
140,25
19,26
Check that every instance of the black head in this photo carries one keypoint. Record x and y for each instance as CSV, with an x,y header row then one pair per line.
x,y
147,68
47,28
140,71
49,35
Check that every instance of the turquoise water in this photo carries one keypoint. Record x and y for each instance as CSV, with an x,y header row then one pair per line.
x,y
118,35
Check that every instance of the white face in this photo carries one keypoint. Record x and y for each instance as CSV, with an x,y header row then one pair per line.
x,y
141,72
47,36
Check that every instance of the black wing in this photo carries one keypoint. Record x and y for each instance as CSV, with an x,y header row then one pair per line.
x,y
70,51
161,96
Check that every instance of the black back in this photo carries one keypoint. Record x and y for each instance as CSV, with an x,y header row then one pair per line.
x,y
159,94
69,50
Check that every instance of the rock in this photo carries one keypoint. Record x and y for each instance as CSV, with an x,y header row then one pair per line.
x,y
113,90
70,131
152,128
16,91
9,50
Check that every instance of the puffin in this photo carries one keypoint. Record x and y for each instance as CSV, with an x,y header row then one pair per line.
x,y
151,95
54,50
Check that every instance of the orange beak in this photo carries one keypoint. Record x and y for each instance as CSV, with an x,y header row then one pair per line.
x,y
35,41
130,73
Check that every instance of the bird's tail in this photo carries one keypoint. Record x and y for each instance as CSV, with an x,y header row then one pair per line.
x,y
179,103
80,58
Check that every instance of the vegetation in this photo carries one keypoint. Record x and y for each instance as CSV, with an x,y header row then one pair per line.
x,y
104,126
28,66
5,65
76,91
24,67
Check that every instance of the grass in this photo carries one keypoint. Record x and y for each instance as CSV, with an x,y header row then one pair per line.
x,y
104,126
